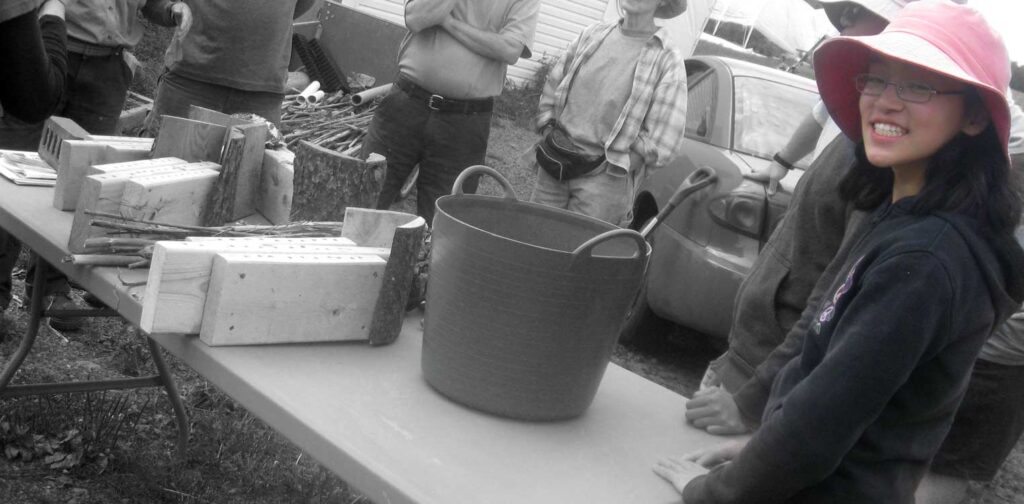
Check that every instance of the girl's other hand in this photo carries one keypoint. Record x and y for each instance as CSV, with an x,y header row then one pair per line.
x,y
678,471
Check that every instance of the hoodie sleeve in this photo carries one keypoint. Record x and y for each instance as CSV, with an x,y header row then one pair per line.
x,y
878,339
34,59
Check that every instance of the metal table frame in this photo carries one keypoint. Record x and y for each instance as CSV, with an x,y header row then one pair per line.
x,y
45,246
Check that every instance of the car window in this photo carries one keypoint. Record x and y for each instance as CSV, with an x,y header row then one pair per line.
x,y
766,115
699,99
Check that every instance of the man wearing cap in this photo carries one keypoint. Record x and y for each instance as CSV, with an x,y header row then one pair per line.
x,y
616,100
451,65
795,268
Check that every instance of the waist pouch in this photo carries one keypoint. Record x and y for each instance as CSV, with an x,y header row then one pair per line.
x,y
558,156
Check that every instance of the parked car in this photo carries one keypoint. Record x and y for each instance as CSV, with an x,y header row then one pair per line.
x,y
739,114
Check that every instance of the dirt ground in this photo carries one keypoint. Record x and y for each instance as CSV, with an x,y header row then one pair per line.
x,y
78,457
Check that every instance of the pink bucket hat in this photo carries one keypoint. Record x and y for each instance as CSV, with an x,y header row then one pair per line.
x,y
945,38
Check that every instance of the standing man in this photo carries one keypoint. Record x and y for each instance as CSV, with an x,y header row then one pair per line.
x,y
100,67
233,59
613,105
451,65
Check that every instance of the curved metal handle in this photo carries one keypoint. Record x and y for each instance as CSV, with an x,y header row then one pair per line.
x,y
510,193
698,179
589,245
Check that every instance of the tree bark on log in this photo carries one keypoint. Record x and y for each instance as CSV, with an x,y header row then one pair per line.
x,y
327,182
221,202
389,311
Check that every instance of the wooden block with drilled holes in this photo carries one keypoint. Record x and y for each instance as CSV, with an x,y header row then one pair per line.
x,y
104,193
76,156
100,169
189,140
274,200
55,131
260,299
170,198
179,275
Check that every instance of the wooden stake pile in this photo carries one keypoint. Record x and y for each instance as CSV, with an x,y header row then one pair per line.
x,y
136,252
333,123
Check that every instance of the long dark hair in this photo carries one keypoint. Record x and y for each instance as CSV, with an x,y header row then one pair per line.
x,y
969,175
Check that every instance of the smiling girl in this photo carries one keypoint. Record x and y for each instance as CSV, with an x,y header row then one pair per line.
x,y
858,415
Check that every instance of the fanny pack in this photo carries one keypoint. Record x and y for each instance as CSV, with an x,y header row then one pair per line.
x,y
558,156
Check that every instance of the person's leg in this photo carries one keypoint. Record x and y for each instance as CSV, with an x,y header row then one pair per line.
x,y
396,132
265,105
548,190
986,428
10,247
175,94
454,143
97,91
605,193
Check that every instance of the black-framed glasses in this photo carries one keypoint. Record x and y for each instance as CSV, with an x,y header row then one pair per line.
x,y
848,16
913,92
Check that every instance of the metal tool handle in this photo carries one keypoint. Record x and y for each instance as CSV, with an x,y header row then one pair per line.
x,y
510,193
700,178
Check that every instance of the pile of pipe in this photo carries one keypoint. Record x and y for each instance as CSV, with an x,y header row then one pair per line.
x,y
335,121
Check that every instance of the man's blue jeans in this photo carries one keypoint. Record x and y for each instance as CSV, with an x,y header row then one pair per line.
x,y
175,93
408,133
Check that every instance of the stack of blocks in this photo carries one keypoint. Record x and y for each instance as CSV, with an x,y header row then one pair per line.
x,y
209,169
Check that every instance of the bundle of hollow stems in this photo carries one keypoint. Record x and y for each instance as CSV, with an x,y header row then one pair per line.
x,y
135,252
333,123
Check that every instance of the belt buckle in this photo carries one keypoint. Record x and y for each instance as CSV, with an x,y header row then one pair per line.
x,y
435,102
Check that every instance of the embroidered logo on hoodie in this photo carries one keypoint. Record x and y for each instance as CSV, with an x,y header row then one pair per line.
x,y
828,310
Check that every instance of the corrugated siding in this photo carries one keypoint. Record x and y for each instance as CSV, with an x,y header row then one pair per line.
x,y
560,21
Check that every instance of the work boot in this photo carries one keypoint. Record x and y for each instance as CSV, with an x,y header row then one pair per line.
x,y
64,301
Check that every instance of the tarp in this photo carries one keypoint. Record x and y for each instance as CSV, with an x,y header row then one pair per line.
x,y
791,24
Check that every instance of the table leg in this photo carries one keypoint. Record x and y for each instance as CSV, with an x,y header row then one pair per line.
x,y
163,377
172,394
35,314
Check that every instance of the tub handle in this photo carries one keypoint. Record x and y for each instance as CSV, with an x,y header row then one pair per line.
x,y
588,246
510,193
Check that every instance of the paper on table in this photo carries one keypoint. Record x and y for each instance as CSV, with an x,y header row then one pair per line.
x,y
26,168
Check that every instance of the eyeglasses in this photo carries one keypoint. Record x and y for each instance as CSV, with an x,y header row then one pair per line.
x,y
848,16
913,92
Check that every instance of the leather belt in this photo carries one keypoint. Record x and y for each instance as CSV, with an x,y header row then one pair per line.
x,y
87,49
440,103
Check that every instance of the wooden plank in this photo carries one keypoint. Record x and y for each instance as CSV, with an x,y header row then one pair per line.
x,y
180,274
373,228
274,199
76,156
55,131
104,193
143,141
170,198
389,309
327,182
188,139
259,299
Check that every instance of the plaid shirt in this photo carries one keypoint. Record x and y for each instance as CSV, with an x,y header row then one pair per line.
x,y
654,117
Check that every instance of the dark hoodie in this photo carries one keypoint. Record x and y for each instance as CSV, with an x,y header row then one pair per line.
x,y
859,414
